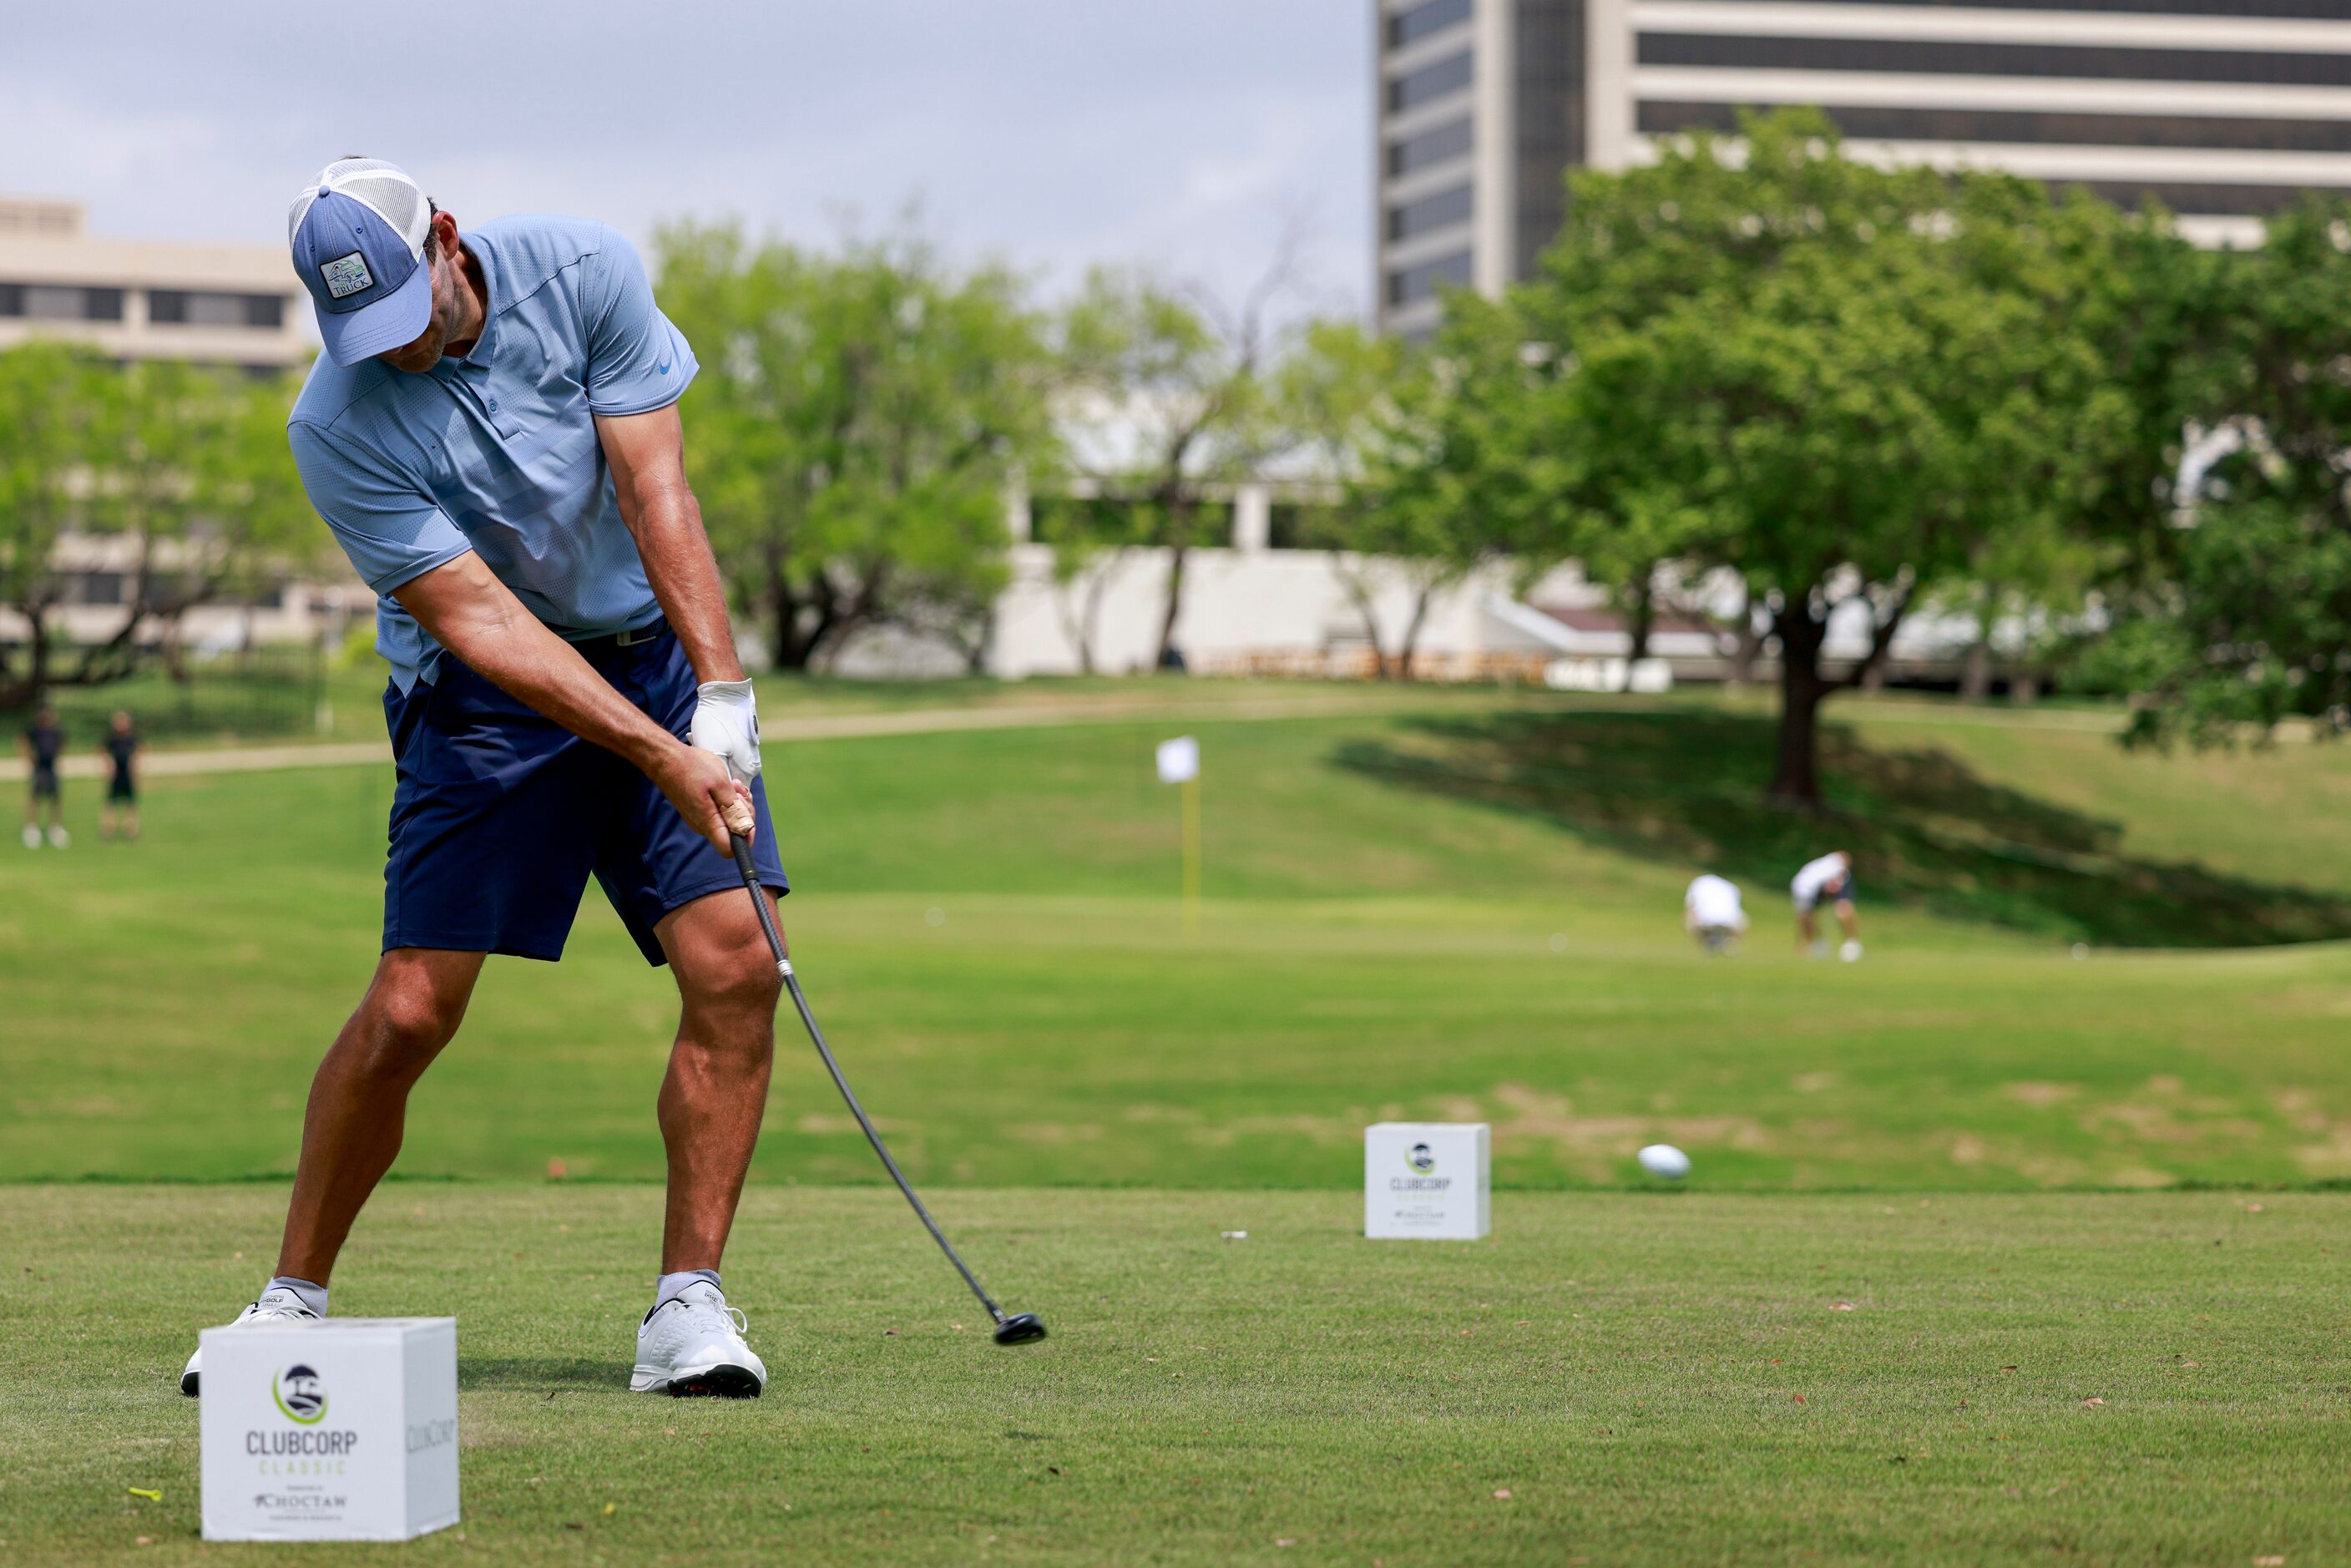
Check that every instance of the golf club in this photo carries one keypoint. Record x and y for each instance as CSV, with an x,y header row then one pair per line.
x,y
1016,1328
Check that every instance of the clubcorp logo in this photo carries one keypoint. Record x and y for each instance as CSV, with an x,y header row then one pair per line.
x,y
1423,1160
301,1396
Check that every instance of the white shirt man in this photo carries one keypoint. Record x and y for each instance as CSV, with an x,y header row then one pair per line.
x,y
1712,911
1830,878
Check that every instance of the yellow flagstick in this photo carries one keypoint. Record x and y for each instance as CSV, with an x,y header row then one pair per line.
x,y
1192,855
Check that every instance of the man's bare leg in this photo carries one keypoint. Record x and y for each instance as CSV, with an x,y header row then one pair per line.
x,y
1808,930
716,1091
358,1099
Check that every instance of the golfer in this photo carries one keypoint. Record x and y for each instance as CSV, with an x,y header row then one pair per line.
x,y
121,747
1711,913
44,742
493,435
1828,878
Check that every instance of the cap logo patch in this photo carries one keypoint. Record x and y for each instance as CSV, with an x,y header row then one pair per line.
x,y
347,275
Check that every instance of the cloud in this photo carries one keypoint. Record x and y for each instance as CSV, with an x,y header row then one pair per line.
x,y
1052,132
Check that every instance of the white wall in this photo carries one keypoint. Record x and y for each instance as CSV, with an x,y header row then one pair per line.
x,y
1239,603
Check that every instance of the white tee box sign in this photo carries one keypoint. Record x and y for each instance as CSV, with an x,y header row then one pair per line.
x,y
342,1430
1429,1180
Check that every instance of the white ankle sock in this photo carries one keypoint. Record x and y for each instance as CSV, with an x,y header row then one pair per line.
x,y
312,1296
675,1285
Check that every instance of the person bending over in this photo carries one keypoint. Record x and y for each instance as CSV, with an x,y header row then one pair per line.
x,y
1711,914
1828,879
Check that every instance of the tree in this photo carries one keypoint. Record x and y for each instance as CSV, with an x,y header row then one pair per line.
x,y
1092,538
855,426
1375,418
2050,540
198,478
1174,395
2238,611
1824,377
52,424
1612,487
188,465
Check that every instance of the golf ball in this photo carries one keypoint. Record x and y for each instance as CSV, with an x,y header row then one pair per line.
x,y
1664,1160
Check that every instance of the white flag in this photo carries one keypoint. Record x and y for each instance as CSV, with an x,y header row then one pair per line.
x,y
1179,759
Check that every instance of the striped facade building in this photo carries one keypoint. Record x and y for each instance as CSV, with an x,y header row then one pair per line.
x,y
2222,110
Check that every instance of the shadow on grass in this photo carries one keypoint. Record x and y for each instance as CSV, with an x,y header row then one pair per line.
x,y
1925,829
542,1375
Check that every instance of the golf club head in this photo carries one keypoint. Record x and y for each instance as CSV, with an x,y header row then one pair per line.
x,y
1020,1329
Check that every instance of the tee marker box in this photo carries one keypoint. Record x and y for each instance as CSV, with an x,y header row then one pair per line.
x,y
340,1429
1427,1179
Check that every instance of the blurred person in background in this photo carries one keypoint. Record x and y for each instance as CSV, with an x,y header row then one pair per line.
x,y
119,812
44,742
1711,913
1828,879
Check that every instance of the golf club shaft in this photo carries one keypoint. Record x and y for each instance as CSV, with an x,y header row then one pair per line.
x,y
744,864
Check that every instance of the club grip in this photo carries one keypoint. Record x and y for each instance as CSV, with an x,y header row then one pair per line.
x,y
745,864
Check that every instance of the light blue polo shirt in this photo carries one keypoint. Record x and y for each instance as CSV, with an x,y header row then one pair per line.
x,y
496,453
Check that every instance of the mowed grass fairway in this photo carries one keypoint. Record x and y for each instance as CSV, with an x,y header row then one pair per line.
x,y
1448,905
2141,1378
1466,912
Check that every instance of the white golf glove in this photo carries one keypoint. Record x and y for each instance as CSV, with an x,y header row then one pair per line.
x,y
726,721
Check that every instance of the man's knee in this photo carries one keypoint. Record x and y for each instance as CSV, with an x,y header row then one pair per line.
x,y
738,976
406,1020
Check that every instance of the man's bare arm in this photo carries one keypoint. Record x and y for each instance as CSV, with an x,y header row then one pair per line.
x,y
473,615
647,454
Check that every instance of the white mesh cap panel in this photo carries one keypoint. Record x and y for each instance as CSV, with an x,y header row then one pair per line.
x,y
384,188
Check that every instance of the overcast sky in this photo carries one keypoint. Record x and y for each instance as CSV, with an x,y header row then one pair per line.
x,y
1051,132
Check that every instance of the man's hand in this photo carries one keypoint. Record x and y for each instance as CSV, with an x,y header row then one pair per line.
x,y
713,801
726,721
473,615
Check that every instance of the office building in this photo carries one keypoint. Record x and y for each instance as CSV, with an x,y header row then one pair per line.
x,y
237,305
138,300
2224,110
1481,109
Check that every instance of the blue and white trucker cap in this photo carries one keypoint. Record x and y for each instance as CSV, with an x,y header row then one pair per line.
x,y
358,235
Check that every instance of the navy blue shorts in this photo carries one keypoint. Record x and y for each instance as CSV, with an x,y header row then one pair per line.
x,y
501,813
1837,892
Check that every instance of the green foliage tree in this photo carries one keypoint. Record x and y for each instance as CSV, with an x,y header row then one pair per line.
x,y
1176,398
855,427
199,479
52,435
1375,418
187,464
1832,379
2238,613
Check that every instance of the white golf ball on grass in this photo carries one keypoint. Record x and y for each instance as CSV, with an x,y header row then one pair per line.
x,y
1664,1160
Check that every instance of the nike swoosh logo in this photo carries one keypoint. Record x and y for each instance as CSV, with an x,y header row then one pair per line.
x,y
662,369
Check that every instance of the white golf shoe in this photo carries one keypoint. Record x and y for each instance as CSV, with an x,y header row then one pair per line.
x,y
58,837
693,1344
277,1304
31,837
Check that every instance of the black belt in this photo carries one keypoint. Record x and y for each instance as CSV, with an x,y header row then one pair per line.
x,y
613,641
